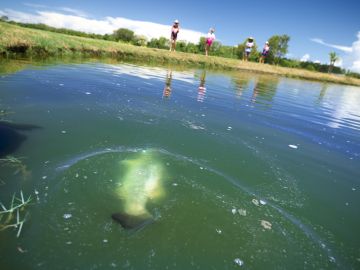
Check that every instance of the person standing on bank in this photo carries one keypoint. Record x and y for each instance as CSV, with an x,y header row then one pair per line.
x,y
174,33
248,47
265,52
209,40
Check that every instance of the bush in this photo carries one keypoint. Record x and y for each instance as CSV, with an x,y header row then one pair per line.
x,y
123,34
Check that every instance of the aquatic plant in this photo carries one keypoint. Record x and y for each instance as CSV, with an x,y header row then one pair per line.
x,y
17,164
4,113
10,217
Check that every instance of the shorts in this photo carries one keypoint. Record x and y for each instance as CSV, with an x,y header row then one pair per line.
x,y
209,41
173,36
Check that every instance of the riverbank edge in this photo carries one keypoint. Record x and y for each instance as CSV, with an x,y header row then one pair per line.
x,y
16,41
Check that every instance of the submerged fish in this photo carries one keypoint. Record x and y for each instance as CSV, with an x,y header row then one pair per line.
x,y
10,138
140,183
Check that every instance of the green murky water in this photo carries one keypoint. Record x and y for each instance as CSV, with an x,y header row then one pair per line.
x,y
256,170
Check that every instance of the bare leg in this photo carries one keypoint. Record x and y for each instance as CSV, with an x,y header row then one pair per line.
x,y
172,45
206,49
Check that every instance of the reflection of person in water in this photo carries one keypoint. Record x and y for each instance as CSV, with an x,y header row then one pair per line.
x,y
202,88
324,88
255,91
167,88
264,90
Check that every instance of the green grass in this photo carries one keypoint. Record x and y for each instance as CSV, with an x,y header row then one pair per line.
x,y
16,40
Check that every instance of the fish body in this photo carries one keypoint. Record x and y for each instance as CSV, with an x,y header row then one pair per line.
x,y
140,183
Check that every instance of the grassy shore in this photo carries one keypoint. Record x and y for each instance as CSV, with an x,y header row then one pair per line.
x,y
15,41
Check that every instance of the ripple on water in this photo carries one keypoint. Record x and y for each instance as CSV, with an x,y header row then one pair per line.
x,y
197,205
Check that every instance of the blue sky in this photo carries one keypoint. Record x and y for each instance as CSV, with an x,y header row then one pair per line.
x,y
328,22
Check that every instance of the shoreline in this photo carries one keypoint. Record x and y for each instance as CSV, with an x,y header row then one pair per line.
x,y
16,41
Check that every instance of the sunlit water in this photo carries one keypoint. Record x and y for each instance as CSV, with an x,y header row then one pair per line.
x,y
238,149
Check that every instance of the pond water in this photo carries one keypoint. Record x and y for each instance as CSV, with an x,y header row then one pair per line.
x,y
233,169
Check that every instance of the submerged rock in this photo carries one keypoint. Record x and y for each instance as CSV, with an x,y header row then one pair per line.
x,y
255,201
262,202
67,216
242,212
239,262
266,224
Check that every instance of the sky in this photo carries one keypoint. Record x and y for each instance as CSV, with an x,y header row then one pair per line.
x,y
316,27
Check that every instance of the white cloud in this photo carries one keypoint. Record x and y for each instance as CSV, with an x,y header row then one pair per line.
x,y
317,62
103,26
305,58
351,59
32,5
75,12
339,47
339,62
72,11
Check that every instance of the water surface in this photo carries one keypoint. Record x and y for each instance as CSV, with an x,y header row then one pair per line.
x,y
226,141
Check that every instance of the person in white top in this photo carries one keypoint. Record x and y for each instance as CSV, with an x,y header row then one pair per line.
x,y
248,47
209,40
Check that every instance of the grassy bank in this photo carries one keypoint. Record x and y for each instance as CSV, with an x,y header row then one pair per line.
x,y
15,41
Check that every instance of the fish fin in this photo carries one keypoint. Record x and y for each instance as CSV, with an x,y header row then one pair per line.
x,y
132,222
16,126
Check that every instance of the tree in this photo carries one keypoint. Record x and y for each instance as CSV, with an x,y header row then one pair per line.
x,y
240,51
139,41
201,44
161,43
215,48
192,48
254,55
278,48
108,37
4,18
181,46
123,34
333,58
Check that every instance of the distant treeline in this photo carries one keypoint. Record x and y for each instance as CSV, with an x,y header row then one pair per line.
x,y
278,47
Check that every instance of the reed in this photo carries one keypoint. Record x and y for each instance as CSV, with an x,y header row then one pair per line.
x,y
10,217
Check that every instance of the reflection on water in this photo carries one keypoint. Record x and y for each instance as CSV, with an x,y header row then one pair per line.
x,y
241,82
167,88
323,91
226,139
202,88
264,90
344,108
